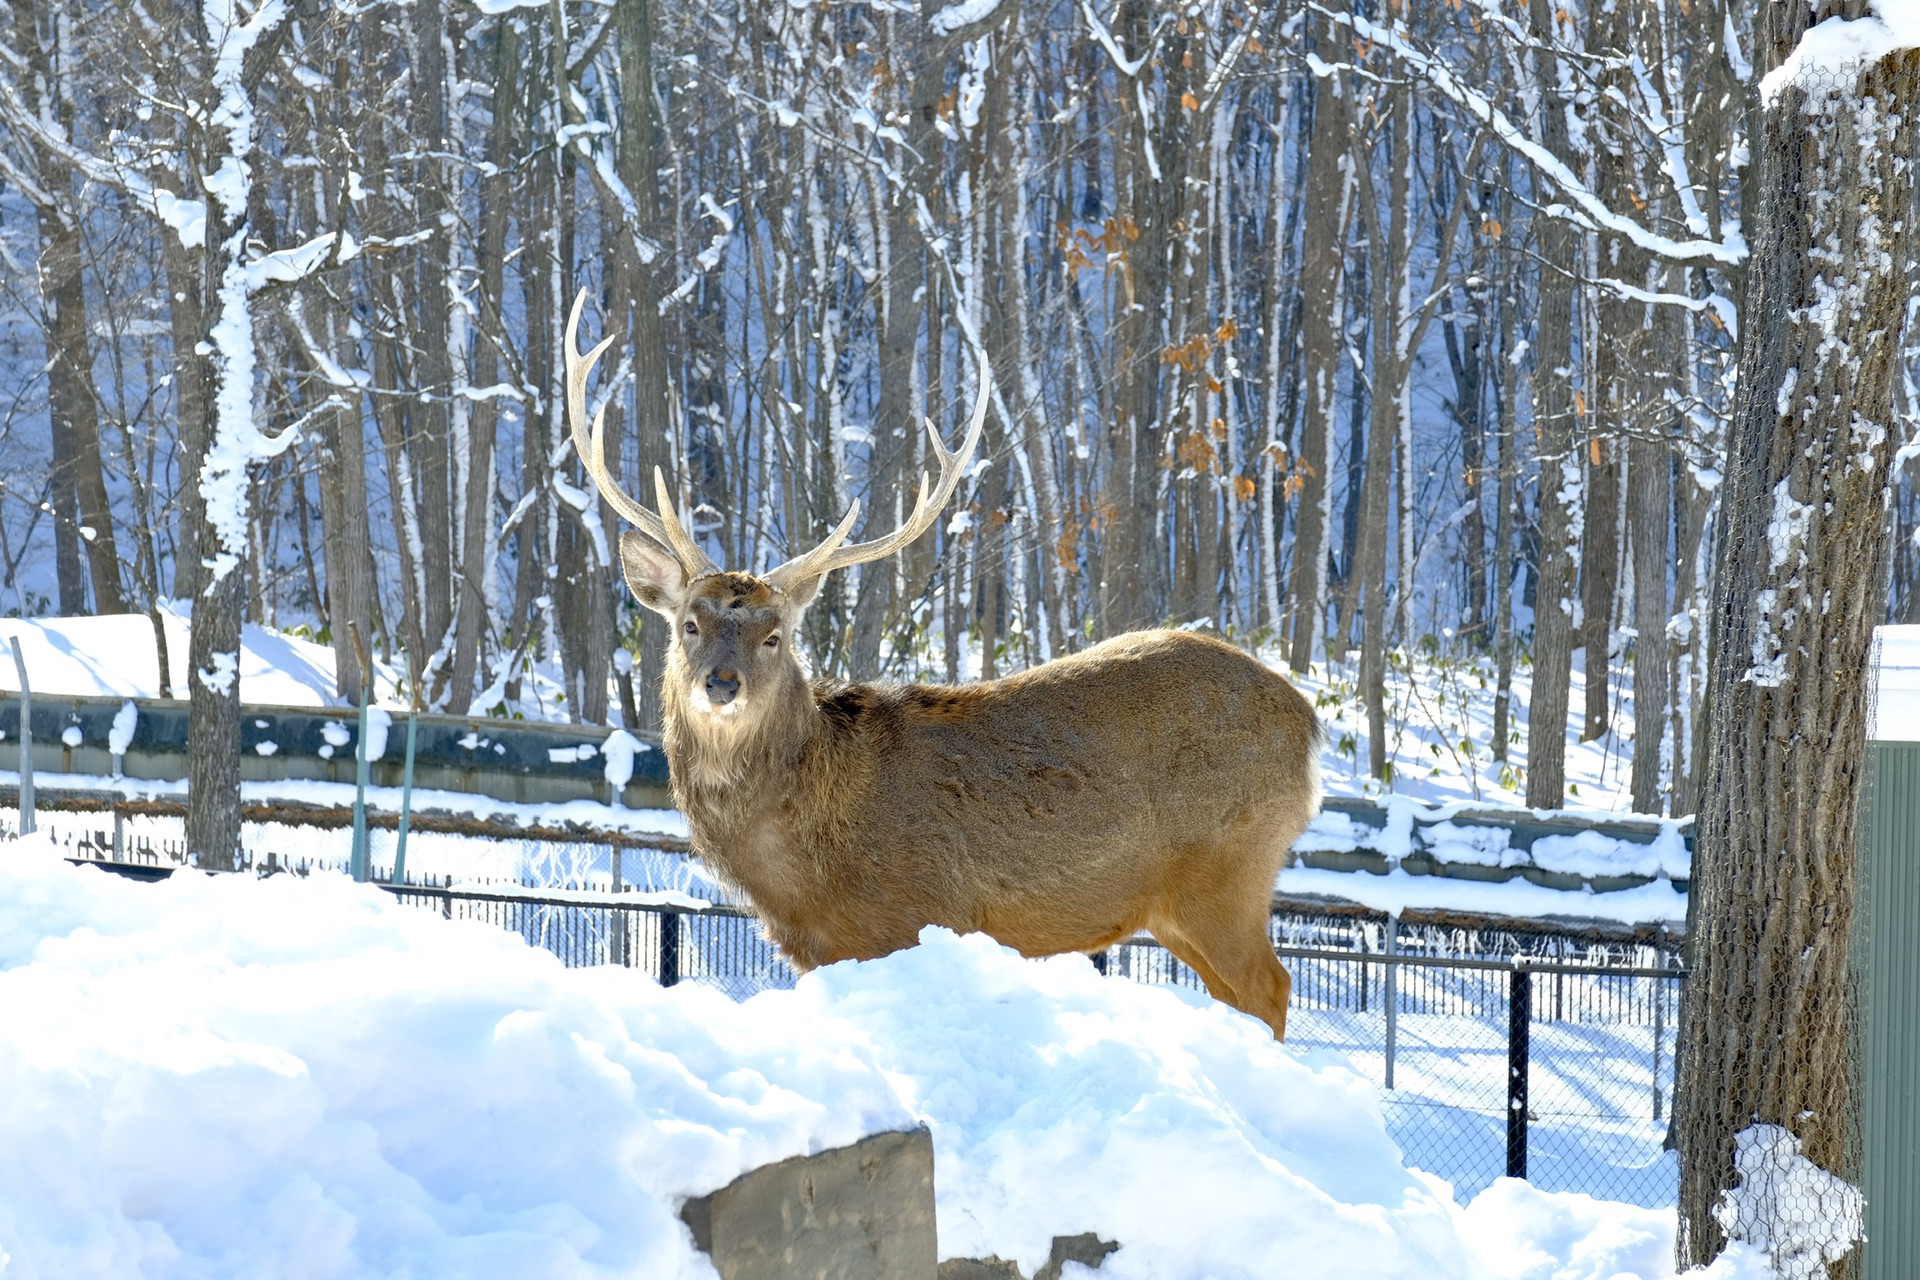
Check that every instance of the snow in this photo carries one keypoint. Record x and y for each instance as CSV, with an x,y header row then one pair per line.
x,y
1523,1233
964,14
219,1075
1838,49
1788,1206
120,736
619,749
379,721
1397,891
114,656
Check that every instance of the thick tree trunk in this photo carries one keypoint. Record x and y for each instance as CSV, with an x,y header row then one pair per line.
x,y
1328,199
474,594
429,321
1649,508
1769,1036
1554,418
70,384
640,263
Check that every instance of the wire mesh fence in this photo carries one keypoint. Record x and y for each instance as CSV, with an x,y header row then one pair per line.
x,y
1541,1056
1499,1051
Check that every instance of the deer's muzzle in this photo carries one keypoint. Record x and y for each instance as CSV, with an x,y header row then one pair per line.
x,y
722,687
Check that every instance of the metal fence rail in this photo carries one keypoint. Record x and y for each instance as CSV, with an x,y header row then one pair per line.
x,y
1501,1054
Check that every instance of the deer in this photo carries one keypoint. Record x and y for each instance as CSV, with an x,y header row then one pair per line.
x,y
1156,781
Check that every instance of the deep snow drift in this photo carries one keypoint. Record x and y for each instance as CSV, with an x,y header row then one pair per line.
x,y
217,1076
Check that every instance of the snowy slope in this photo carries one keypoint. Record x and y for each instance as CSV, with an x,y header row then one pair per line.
x,y
115,656
225,1076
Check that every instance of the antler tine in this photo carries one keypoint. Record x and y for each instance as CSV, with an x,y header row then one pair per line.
x,y
675,534
590,442
831,554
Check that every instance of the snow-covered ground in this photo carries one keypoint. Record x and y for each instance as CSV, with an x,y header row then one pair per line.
x,y
116,657
217,1075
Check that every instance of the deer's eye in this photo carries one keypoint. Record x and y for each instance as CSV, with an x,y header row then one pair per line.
x,y
692,630
773,641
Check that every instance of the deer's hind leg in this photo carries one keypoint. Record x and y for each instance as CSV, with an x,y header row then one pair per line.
x,y
1219,921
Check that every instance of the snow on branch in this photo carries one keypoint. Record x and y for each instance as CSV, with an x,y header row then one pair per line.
x,y
966,13
1586,207
1839,49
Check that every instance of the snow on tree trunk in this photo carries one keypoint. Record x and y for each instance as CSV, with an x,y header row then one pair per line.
x,y
1770,1031
234,443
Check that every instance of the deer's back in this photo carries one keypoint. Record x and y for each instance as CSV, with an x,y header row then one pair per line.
x,y
1094,777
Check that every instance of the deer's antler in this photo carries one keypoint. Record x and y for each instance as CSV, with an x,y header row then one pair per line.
x,y
831,555
590,443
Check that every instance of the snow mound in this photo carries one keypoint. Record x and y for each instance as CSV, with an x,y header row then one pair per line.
x,y
217,1075
1522,1233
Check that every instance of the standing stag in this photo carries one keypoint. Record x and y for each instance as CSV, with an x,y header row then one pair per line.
x,y
1156,781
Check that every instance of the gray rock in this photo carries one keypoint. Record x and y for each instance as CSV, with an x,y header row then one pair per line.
x,y
1086,1248
863,1212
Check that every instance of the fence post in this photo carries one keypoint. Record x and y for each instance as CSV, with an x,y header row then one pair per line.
x,y
406,795
669,948
26,740
1392,994
1659,1034
357,862
1519,1025
619,913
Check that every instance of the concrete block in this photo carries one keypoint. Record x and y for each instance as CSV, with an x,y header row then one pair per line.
x,y
863,1212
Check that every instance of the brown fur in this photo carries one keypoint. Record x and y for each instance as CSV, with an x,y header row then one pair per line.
x,y
1155,782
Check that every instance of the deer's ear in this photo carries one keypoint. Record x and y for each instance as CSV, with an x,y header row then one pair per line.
x,y
801,594
654,574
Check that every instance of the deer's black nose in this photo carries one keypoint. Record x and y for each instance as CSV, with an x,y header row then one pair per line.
x,y
722,687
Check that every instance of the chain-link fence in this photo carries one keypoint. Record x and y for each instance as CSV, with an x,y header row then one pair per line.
x,y
1545,1056
1499,1051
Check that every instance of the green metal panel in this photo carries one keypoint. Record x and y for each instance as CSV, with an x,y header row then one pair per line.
x,y
1891,1120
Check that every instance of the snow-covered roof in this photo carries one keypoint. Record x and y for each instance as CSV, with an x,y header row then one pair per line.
x,y
1897,701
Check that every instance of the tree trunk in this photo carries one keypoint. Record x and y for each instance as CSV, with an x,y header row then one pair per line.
x,y
1770,1034
476,589
641,261
429,323
1554,418
1505,497
1326,207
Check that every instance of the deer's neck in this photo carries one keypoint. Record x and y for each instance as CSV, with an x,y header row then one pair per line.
x,y
742,785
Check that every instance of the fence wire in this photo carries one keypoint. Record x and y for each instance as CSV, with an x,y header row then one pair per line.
x,y
1426,1011
1435,1026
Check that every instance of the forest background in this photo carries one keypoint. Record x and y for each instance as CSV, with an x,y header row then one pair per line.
x,y
1365,334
